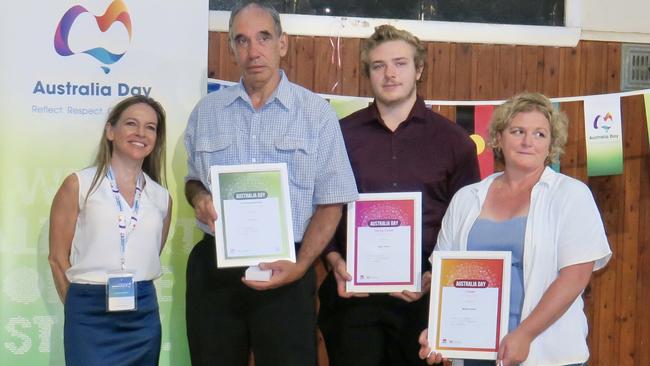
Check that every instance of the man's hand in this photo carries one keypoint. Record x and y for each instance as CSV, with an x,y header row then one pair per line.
x,y
409,296
339,268
201,200
284,273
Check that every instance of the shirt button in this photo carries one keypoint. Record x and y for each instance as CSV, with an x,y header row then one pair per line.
x,y
254,137
394,157
253,160
394,184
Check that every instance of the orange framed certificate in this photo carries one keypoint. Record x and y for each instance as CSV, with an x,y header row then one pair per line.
x,y
470,303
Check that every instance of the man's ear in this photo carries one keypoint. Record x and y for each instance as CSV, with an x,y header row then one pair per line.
x,y
418,71
284,44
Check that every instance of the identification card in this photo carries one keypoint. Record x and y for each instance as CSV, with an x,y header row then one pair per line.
x,y
120,292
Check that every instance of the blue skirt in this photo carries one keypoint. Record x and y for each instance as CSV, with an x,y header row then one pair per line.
x,y
92,336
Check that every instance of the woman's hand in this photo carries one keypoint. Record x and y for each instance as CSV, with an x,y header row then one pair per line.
x,y
514,348
425,352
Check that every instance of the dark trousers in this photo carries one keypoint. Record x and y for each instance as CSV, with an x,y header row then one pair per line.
x,y
226,319
379,330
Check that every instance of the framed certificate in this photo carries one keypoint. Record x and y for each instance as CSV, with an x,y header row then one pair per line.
x,y
254,221
384,242
470,301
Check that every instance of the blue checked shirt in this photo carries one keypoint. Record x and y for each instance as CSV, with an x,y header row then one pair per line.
x,y
295,126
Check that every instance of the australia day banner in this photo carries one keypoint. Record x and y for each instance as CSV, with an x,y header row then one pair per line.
x,y
64,64
604,135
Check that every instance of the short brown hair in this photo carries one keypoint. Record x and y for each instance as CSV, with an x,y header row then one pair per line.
x,y
528,102
385,33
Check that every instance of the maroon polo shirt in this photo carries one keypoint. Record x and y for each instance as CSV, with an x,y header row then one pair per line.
x,y
427,153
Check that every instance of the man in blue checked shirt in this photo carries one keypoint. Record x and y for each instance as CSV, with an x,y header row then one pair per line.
x,y
263,119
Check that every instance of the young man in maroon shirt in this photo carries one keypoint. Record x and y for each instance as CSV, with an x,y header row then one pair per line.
x,y
396,144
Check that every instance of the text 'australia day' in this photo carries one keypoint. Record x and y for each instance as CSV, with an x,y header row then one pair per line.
x,y
89,89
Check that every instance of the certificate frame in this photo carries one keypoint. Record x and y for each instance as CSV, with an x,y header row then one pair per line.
x,y
474,275
265,186
378,211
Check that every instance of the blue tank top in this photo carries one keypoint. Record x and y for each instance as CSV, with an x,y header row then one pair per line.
x,y
505,236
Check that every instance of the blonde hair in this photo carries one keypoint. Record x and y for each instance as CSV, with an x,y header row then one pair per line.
x,y
154,163
528,102
385,33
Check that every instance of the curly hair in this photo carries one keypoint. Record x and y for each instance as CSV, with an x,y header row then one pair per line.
x,y
385,33
528,102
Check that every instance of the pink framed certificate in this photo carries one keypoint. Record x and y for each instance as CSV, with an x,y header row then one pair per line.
x,y
470,301
384,242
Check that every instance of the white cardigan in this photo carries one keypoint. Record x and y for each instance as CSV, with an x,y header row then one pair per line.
x,y
563,228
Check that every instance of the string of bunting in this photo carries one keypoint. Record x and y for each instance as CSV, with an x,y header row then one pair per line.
x,y
602,119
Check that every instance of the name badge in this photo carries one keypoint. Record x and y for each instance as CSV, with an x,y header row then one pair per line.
x,y
120,292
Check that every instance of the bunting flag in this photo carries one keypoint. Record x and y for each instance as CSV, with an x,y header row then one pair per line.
x,y
604,135
475,120
345,107
646,98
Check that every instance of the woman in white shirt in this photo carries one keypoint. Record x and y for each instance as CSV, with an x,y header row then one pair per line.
x,y
548,221
108,225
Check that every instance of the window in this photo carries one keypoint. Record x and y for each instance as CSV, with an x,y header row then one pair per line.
x,y
523,12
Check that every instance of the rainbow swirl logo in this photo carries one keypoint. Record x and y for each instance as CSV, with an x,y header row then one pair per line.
x,y
116,12
603,122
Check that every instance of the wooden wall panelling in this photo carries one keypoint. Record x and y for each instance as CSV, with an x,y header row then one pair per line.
x,y
632,108
461,69
529,66
628,258
227,67
484,58
610,196
213,54
349,68
440,76
570,59
550,84
642,354
505,73
364,83
302,66
326,60
569,85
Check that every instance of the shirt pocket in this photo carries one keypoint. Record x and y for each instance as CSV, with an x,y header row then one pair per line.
x,y
299,155
216,151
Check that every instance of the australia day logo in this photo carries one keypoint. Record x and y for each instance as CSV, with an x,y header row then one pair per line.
x,y
116,12
603,122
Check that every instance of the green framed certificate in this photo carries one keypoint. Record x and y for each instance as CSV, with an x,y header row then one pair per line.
x,y
254,222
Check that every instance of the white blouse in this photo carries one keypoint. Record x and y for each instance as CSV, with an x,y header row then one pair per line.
x,y
563,228
96,244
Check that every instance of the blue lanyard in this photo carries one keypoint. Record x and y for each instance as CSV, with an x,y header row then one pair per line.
x,y
124,227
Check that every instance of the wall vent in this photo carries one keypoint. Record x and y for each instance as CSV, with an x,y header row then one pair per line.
x,y
635,73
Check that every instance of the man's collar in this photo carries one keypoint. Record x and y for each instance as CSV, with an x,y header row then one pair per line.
x,y
282,93
418,111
